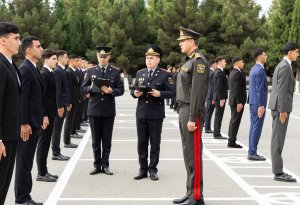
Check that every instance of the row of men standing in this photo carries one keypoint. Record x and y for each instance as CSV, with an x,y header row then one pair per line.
x,y
280,102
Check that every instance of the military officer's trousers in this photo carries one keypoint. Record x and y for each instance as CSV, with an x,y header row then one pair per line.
x,y
149,130
192,153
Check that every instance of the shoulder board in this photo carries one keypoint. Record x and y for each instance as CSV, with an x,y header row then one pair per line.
x,y
163,70
197,55
140,70
114,67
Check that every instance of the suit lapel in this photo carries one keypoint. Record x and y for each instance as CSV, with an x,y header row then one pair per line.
x,y
12,68
37,73
107,72
154,75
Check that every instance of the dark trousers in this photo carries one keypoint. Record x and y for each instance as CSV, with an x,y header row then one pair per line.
x,y
24,162
256,125
277,141
218,118
209,112
56,134
234,124
6,168
192,153
78,118
101,130
84,109
149,130
70,124
43,148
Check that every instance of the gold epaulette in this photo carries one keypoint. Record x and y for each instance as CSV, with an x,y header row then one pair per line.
x,y
197,55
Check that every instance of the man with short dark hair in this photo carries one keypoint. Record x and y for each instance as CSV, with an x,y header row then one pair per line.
x,y
191,91
10,91
257,99
62,102
237,99
281,104
50,112
210,103
220,95
32,119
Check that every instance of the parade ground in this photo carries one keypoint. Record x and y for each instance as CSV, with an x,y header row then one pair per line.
x,y
229,178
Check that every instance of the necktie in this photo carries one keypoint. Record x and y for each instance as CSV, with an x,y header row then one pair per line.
x,y
102,72
150,74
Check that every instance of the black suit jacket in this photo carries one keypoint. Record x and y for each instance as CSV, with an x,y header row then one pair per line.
x,y
80,74
32,95
150,107
101,104
220,85
74,87
237,87
210,88
10,92
62,87
50,108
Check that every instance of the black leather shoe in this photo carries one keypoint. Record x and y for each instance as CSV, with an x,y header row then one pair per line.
x,y
220,137
141,175
46,178
284,177
71,145
95,171
193,202
153,176
51,175
60,157
209,131
29,202
181,200
81,131
256,157
76,136
234,145
107,171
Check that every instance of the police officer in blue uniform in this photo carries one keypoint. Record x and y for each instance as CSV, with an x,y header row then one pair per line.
x,y
101,107
153,84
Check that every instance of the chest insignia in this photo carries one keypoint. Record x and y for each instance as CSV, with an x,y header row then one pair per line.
x,y
200,68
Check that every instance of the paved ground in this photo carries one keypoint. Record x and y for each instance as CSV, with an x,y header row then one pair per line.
x,y
229,178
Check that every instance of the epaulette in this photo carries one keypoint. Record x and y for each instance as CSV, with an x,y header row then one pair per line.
x,y
197,55
115,67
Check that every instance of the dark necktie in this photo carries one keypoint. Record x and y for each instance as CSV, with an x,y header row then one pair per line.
x,y
150,74
102,72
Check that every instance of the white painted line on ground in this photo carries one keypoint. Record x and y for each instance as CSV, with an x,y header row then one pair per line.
x,y
65,176
276,187
226,149
257,176
134,159
229,154
134,140
249,167
154,199
165,128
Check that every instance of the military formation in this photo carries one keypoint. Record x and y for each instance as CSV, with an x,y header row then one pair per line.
x,y
39,106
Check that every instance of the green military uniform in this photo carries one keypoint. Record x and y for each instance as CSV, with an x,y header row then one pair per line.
x,y
191,89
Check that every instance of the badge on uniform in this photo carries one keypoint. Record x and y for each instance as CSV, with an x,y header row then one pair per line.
x,y
170,80
200,68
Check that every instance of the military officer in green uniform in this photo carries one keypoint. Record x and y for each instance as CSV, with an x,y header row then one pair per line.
x,y
191,89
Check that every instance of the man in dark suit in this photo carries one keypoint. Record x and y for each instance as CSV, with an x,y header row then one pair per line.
x,y
210,104
102,108
257,99
62,102
50,111
237,99
220,95
10,90
74,90
150,110
281,104
32,110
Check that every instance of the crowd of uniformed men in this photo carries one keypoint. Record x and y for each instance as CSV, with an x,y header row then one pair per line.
x,y
34,105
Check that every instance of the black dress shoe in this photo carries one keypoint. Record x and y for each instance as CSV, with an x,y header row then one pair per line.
x,y
95,171
141,175
51,175
220,137
181,200
71,145
46,178
60,157
234,145
81,131
29,202
284,177
107,171
77,136
209,131
153,176
193,202
256,157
